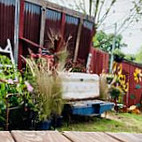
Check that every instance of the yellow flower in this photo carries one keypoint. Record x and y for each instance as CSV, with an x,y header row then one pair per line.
x,y
122,77
137,75
126,87
114,67
119,69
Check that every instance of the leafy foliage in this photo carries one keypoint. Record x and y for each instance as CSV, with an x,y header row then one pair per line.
x,y
48,87
139,56
13,89
115,92
78,66
118,55
104,41
130,57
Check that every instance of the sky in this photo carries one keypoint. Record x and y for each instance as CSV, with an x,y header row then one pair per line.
x,y
132,35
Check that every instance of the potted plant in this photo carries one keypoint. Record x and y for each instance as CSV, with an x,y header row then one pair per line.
x,y
48,90
15,95
116,94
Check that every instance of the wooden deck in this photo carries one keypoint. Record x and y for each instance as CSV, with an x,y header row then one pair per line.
x,y
55,136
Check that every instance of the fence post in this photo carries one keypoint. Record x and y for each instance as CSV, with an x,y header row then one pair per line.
x,y
21,33
113,48
78,40
16,30
42,27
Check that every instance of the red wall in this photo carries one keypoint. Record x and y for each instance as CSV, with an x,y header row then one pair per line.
x,y
71,29
30,23
86,40
7,14
52,27
32,17
134,95
99,61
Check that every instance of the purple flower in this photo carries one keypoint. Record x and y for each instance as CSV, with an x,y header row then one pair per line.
x,y
29,87
10,81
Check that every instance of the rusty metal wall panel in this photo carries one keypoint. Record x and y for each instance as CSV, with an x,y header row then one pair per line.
x,y
52,27
7,14
71,29
134,95
85,41
99,61
32,17
127,72
132,91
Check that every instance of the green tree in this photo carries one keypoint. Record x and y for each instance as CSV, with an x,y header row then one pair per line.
x,y
130,57
104,41
139,56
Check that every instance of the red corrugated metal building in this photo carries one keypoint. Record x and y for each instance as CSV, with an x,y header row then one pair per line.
x,y
39,21
134,95
7,12
99,61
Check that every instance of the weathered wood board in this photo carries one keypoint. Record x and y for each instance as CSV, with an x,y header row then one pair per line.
x,y
89,137
71,136
5,137
127,137
38,136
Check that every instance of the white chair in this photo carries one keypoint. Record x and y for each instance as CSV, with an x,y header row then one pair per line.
x,y
8,50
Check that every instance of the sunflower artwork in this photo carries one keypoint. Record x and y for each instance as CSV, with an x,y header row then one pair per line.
x,y
120,81
137,75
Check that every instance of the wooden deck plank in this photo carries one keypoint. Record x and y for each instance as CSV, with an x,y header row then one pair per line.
x,y
38,136
127,137
89,137
5,136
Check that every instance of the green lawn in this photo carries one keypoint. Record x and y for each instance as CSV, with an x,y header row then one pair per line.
x,y
122,122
